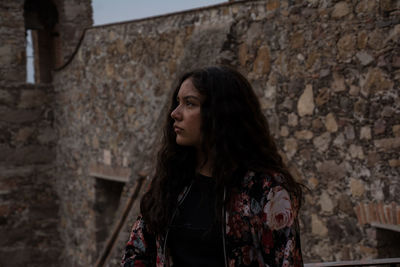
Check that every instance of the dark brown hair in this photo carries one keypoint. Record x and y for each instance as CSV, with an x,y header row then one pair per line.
x,y
236,138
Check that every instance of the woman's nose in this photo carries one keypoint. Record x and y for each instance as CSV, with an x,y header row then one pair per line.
x,y
176,114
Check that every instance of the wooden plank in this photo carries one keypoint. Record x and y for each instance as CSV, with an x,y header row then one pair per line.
x,y
111,242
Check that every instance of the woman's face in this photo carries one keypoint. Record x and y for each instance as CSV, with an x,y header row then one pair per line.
x,y
187,115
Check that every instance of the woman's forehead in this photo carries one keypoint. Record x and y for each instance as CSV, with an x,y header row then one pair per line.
x,y
187,88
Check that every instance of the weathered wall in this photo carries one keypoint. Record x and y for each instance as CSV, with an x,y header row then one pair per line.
x,y
12,41
29,205
28,202
326,72
74,17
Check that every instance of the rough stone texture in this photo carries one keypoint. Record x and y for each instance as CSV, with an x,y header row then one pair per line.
x,y
29,204
311,66
74,16
326,75
305,105
12,44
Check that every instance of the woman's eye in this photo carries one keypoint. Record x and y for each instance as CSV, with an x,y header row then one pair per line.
x,y
189,104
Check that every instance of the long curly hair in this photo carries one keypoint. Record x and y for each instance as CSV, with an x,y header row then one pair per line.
x,y
236,139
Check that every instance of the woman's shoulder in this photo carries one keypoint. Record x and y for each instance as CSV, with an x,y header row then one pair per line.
x,y
266,179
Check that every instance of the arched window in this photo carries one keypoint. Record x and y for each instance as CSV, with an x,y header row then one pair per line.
x,y
41,19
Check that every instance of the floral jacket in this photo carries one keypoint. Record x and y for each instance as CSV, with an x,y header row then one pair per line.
x,y
260,229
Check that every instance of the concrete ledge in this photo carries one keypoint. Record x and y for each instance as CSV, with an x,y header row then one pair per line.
x,y
390,227
118,174
389,261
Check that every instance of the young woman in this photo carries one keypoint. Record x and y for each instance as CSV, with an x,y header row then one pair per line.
x,y
221,195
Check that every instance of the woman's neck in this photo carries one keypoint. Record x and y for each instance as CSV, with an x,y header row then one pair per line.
x,y
204,168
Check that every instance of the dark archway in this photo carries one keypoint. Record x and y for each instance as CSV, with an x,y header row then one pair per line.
x,y
41,17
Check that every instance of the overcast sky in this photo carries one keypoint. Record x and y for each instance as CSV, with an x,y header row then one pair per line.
x,y
107,11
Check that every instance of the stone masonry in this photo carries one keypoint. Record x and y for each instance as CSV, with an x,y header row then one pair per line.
x,y
30,221
29,204
327,74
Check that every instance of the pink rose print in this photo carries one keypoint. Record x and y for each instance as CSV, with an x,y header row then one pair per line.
x,y
278,209
285,263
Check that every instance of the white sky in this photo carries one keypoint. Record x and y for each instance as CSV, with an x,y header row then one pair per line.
x,y
109,11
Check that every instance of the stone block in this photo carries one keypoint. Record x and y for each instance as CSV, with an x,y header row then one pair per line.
x,y
305,105
364,58
6,97
321,143
345,205
354,90
394,163
304,134
396,130
379,127
349,132
107,157
284,132
365,133
356,151
357,187
330,123
387,144
32,98
366,7
329,169
19,116
290,147
24,134
292,119
346,45
317,226
317,124
362,39
326,203
272,5
376,81
32,154
313,182
388,5
243,54
47,135
373,158
262,64
7,56
297,40
338,84
340,10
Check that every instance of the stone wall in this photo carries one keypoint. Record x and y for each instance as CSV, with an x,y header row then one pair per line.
x,y
327,75
12,41
74,17
29,218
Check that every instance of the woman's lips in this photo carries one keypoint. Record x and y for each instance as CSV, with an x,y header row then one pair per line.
x,y
177,129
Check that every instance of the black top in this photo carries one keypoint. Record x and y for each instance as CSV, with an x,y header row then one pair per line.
x,y
194,238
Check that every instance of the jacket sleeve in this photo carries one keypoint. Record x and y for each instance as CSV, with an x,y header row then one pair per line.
x,y
140,249
280,237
